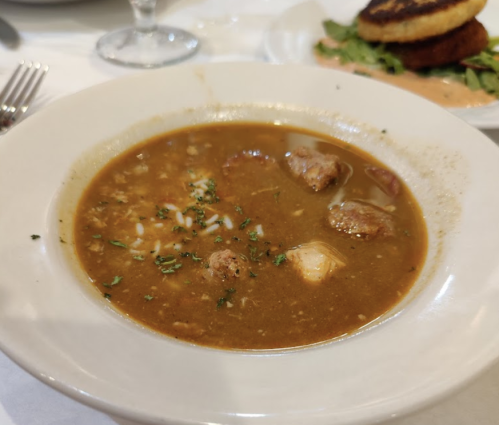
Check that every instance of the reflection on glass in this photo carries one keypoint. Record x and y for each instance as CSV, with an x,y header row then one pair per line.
x,y
147,45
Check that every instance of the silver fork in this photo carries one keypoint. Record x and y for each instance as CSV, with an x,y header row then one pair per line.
x,y
19,92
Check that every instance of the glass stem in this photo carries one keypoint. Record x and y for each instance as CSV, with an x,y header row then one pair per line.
x,y
144,14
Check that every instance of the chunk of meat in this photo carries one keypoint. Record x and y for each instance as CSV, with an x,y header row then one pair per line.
x,y
315,261
224,265
317,169
245,156
386,180
361,220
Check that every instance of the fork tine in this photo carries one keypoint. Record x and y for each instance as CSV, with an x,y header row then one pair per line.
x,y
22,102
19,92
10,84
17,85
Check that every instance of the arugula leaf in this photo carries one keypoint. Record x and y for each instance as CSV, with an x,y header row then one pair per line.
x,y
472,80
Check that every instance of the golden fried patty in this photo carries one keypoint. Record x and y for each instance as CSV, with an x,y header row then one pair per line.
x,y
402,21
467,40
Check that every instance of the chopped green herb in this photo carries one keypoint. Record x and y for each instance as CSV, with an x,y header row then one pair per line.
x,y
195,257
120,201
239,209
253,236
253,256
235,238
97,236
226,298
206,265
384,131
252,274
106,295
118,243
218,239
245,223
177,228
34,237
171,269
162,212
220,221
279,259
148,297
194,233
162,261
138,257
116,280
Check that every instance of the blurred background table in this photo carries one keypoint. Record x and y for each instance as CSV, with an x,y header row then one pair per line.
x,y
63,35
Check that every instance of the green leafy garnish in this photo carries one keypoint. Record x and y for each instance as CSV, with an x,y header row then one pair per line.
x,y
472,80
138,257
162,212
179,229
226,298
279,259
148,297
245,223
253,236
239,209
118,243
106,295
97,236
116,280
252,274
218,239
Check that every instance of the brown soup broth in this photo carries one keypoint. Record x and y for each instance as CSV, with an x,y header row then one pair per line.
x,y
268,305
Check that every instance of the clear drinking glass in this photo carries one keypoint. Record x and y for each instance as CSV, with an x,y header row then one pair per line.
x,y
147,45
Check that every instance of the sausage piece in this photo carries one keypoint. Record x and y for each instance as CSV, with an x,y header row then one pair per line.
x,y
224,265
317,169
361,220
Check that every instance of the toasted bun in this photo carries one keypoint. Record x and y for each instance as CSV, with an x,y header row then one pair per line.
x,y
403,21
467,40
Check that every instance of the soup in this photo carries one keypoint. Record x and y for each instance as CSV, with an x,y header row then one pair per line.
x,y
249,236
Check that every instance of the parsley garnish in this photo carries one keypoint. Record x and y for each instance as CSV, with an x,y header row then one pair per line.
x,y
161,261
253,256
245,223
97,236
138,257
118,243
220,221
253,236
178,229
194,233
226,298
162,212
279,259
106,295
116,280
34,237
218,239
239,209
252,274
148,297
236,238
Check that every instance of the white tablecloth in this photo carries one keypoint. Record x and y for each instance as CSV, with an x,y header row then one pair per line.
x,y
63,36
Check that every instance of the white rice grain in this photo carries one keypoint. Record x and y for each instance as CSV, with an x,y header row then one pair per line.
x,y
212,228
171,207
188,222
158,225
212,219
180,217
136,243
139,227
259,230
200,182
228,223
157,247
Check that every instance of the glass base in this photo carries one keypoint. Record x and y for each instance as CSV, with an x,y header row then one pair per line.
x,y
165,45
